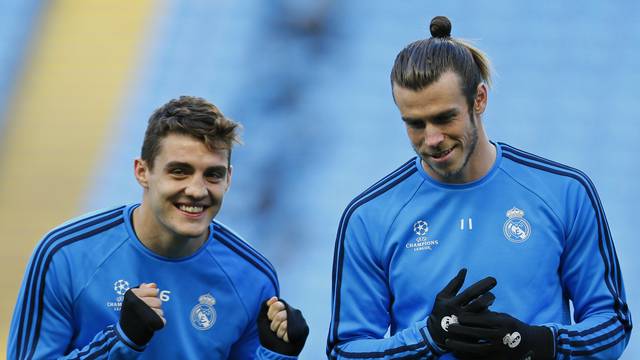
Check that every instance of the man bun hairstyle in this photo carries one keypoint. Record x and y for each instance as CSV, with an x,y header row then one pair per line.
x,y
193,116
440,27
422,62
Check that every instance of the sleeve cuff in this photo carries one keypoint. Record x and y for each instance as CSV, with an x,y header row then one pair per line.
x,y
435,349
122,337
554,334
263,353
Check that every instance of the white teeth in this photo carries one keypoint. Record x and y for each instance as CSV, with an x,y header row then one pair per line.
x,y
191,209
439,155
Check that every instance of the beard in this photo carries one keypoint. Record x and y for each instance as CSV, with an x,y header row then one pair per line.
x,y
456,175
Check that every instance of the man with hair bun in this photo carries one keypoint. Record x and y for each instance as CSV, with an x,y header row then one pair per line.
x,y
161,279
529,236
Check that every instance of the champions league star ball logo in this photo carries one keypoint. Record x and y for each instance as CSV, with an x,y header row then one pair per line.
x,y
420,227
516,229
121,287
203,315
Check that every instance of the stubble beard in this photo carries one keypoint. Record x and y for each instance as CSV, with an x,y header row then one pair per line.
x,y
456,175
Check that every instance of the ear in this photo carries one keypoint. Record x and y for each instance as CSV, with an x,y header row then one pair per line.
x,y
229,172
480,102
141,172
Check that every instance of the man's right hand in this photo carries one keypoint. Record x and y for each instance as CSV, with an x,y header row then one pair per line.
x,y
449,304
141,314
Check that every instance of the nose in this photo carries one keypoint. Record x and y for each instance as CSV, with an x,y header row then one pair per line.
x,y
433,135
196,189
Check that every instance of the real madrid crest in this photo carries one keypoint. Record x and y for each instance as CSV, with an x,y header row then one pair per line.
x,y
516,229
203,315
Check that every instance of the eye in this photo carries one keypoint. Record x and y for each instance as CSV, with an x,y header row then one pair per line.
x,y
215,176
443,120
415,124
177,172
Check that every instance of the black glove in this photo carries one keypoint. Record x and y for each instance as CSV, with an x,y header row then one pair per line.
x,y
297,331
138,320
492,335
448,305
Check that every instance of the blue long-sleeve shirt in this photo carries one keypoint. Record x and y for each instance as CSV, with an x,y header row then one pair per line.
x,y
69,303
535,225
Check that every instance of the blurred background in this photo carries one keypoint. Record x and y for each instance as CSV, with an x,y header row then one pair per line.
x,y
309,79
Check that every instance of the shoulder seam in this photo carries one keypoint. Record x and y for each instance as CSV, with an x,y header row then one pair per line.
x,y
98,266
533,157
233,284
268,272
407,165
40,262
248,248
398,214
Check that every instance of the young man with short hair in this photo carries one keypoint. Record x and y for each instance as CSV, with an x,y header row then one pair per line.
x,y
161,279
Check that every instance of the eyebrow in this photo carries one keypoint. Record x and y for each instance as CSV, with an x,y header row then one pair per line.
x,y
441,115
221,168
174,164
180,164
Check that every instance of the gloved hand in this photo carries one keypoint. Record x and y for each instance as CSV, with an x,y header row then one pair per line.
x,y
281,327
449,304
499,336
141,313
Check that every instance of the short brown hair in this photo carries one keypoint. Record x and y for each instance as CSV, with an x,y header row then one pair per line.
x,y
193,116
422,63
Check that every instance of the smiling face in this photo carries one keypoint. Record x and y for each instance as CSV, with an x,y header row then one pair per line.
x,y
183,190
442,129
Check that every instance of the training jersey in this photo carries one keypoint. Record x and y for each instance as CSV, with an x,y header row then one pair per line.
x,y
72,292
535,225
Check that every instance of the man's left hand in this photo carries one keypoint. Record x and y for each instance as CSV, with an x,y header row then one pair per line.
x,y
281,327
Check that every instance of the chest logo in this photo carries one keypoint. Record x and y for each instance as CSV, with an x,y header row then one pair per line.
x,y
119,287
203,315
422,242
421,227
516,229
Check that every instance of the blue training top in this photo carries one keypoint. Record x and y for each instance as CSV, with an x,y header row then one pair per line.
x,y
535,225
69,303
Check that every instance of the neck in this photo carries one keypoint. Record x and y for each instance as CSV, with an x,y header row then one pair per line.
x,y
156,238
